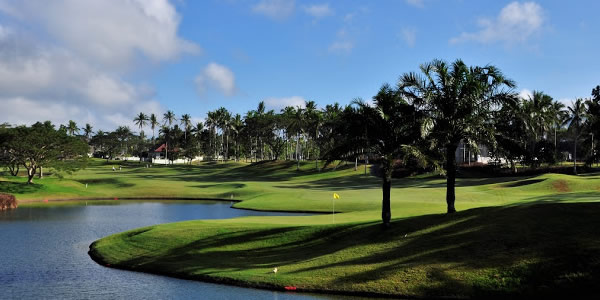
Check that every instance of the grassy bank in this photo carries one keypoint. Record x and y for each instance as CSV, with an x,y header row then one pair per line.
x,y
543,249
514,235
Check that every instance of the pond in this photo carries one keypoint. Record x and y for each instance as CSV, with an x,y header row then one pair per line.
x,y
44,252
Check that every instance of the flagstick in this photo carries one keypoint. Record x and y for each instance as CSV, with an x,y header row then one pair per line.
x,y
333,210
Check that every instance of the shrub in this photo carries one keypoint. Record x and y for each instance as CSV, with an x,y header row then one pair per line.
x,y
7,201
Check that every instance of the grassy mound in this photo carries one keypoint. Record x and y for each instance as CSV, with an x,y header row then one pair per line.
x,y
541,249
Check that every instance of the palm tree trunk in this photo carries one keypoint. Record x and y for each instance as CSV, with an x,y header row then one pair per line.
x,y
297,154
575,156
386,211
450,177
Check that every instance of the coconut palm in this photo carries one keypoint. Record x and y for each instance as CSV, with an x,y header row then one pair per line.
x,y
557,117
153,123
141,120
87,131
186,122
236,126
72,128
395,128
211,123
168,118
458,100
576,119
313,123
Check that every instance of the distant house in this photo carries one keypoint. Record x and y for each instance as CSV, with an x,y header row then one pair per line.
x,y
464,155
159,153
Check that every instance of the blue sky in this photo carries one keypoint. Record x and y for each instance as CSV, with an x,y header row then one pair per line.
x,y
103,61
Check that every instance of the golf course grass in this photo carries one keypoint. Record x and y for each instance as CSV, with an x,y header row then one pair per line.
x,y
512,236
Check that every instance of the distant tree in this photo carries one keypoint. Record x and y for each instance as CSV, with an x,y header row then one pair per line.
x,y
593,110
168,118
141,120
153,123
458,100
236,126
576,120
123,133
87,131
186,122
42,146
72,128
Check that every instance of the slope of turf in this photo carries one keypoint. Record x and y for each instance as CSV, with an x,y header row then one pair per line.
x,y
541,249
509,243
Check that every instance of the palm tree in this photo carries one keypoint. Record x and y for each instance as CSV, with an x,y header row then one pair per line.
x,y
394,127
87,130
236,127
313,119
141,120
168,118
72,128
557,117
153,123
186,122
123,133
458,100
211,123
576,119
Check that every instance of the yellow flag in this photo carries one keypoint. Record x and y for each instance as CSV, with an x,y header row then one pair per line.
x,y
336,196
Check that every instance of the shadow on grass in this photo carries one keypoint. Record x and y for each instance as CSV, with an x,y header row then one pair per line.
x,y
107,181
542,249
19,187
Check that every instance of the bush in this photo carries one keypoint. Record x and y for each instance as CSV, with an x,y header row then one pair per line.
x,y
7,201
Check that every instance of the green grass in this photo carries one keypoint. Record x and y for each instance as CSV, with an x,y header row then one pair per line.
x,y
513,235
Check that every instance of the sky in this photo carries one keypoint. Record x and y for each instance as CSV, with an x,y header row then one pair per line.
x,y
104,61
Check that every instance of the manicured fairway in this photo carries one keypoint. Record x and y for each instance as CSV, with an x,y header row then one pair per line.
x,y
526,234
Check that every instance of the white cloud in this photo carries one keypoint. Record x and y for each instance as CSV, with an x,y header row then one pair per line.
x,y
342,44
107,32
275,9
217,76
525,94
409,35
279,103
47,75
416,3
516,23
318,10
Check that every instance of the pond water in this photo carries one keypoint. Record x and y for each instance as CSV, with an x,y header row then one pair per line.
x,y
43,253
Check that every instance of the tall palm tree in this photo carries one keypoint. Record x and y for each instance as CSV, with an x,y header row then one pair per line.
x,y
123,133
458,100
211,123
313,119
141,120
557,117
197,131
153,123
168,118
576,119
87,131
186,122
72,128
395,127
236,127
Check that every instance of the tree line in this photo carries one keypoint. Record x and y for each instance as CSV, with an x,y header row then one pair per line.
x,y
417,123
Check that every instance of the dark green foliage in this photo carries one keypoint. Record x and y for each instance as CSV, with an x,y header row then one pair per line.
x,y
459,101
42,146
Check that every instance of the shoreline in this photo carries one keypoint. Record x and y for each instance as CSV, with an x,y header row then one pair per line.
x,y
256,285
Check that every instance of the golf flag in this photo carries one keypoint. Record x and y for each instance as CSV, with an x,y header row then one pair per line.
x,y
336,196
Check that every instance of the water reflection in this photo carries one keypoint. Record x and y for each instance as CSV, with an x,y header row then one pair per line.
x,y
44,252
